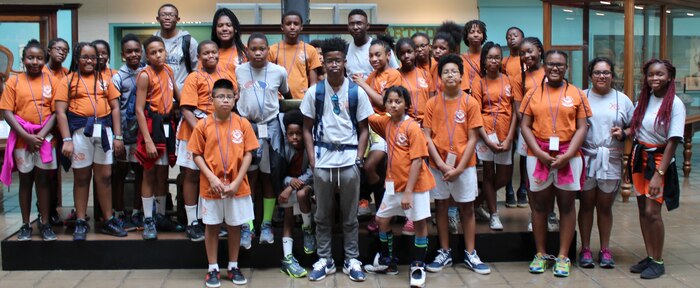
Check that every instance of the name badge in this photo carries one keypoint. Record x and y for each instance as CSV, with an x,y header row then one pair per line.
x,y
96,130
389,187
451,159
166,130
494,138
553,143
262,131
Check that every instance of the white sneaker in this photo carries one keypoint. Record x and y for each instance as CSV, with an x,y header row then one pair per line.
x,y
417,274
482,214
495,222
552,223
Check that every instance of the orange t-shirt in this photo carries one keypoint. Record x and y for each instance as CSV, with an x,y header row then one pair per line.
x,y
417,82
405,143
496,104
533,81
30,98
383,80
452,116
228,58
570,103
196,93
437,80
58,74
428,66
211,140
87,96
160,89
472,68
298,59
511,66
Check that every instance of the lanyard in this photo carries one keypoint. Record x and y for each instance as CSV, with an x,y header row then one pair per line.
x,y
552,113
472,65
260,105
93,103
224,157
38,111
210,82
412,92
450,132
391,145
494,112
294,58
234,54
162,93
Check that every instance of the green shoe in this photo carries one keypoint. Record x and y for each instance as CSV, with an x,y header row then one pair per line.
x,y
561,267
291,267
538,264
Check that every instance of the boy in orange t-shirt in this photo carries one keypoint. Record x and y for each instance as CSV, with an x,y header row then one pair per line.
x,y
222,147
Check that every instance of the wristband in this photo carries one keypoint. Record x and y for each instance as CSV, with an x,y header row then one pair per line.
x,y
68,139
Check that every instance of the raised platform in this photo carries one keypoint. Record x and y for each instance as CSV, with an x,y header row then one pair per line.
x,y
175,251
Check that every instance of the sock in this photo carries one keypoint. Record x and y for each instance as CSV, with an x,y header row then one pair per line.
x,y
287,243
148,204
232,265
306,219
160,205
213,267
386,240
658,262
268,209
191,213
452,212
420,248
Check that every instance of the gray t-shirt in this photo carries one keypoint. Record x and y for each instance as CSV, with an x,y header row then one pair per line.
x,y
337,128
358,59
176,59
258,100
652,134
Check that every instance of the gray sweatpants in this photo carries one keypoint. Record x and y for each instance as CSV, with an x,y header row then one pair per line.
x,y
347,181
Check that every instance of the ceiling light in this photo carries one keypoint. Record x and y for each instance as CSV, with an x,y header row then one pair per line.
x,y
568,10
668,11
605,2
638,7
570,18
690,14
599,14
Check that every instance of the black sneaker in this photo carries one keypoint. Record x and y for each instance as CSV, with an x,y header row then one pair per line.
x,y
522,198
25,233
195,232
81,229
510,199
641,265
164,223
149,229
212,279
136,219
236,276
54,219
47,232
653,271
112,227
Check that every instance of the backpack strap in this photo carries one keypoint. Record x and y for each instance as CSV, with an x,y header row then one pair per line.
x,y
352,101
186,52
318,104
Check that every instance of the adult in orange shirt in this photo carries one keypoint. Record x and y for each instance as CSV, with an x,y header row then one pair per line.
x,y
473,35
195,104
554,126
423,60
87,105
226,33
415,79
26,106
155,92
298,58
222,146
512,65
494,148
408,182
103,53
58,51
451,125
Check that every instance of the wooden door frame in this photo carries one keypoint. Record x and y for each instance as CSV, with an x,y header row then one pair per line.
x,y
50,14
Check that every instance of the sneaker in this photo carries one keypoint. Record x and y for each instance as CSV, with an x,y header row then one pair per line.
x,y
137,220
212,279
442,260
291,267
246,236
408,228
125,223
538,264
372,226
510,199
25,233
495,222
195,232
111,227
641,265
522,198
473,263
163,223
529,224
363,208
382,265
321,268
605,259
47,232
585,258
55,219
562,265
353,268
482,214
309,239
266,235
81,229
653,271
454,224
149,229
552,222
417,274
236,276
223,231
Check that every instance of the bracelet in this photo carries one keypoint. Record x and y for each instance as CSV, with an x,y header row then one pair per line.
x,y
119,137
67,139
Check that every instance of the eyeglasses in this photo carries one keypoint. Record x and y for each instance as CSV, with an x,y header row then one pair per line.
x,y
422,46
555,64
60,49
493,59
336,105
450,72
222,97
602,73
167,15
86,58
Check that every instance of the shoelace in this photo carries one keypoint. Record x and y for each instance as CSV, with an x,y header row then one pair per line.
x,y
587,254
474,258
441,257
320,264
355,265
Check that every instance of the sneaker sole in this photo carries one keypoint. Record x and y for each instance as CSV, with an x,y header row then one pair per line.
x,y
240,282
586,265
511,205
49,239
197,239
536,271
290,274
24,239
332,271
560,275
523,205
497,228
212,285
607,266
478,271
266,242
351,278
435,270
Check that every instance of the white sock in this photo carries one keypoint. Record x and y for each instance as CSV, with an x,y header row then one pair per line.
x,y
287,243
232,265
147,205
160,205
191,213
213,267
306,219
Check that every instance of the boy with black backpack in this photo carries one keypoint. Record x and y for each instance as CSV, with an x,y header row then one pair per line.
x,y
177,43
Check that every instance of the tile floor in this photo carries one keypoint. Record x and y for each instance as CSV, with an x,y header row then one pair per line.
x,y
682,256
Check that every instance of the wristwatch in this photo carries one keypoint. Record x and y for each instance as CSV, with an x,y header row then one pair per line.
x,y
360,163
119,137
660,172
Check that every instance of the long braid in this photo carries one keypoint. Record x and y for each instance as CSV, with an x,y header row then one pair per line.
x,y
663,117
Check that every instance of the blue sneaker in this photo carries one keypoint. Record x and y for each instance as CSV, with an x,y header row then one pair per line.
x,y
266,236
149,229
322,267
81,230
246,236
353,268
309,239
442,260
473,263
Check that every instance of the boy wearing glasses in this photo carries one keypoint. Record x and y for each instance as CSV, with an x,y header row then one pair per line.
x,y
335,138
175,40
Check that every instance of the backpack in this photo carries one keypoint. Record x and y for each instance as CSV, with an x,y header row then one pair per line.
x,y
129,124
318,104
186,52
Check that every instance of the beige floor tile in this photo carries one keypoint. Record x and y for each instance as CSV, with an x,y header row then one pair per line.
x,y
598,273
371,281
618,283
16,283
187,283
3,273
329,281
57,283
67,275
104,283
570,283
157,274
442,280
682,269
142,283
189,273
473,279
115,275
270,282
664,282
690,281
26,275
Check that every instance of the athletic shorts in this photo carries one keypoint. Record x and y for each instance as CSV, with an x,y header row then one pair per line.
x,y
235,211
521,146
184,156
605,185
25,161
376,142
391,206
463,189
88,150
576,164
485,154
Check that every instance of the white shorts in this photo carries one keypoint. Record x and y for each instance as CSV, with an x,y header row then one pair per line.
x,y
376,142
605,185
25,161
184,156
235,211
463,189
485,154
391,206
521,146
130,151
576,164
88,150
264,164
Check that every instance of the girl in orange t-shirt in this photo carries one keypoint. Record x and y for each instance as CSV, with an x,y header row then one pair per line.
x,y
512,65
226,33
422,47
58,51
26,105
554,127
415,79
87,105
103,53
473,35
446,41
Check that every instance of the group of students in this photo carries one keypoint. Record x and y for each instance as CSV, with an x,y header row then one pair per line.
x,y
409,132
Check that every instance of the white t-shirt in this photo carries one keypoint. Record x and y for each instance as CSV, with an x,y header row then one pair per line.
x,y
337,129
258,100
657,135
358,59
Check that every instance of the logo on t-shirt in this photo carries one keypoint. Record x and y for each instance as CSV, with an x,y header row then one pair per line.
x,y
507,89
422,83
46,91
401,139
237,136
255,84
460,116
170,84
103,85
567,101
613,106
